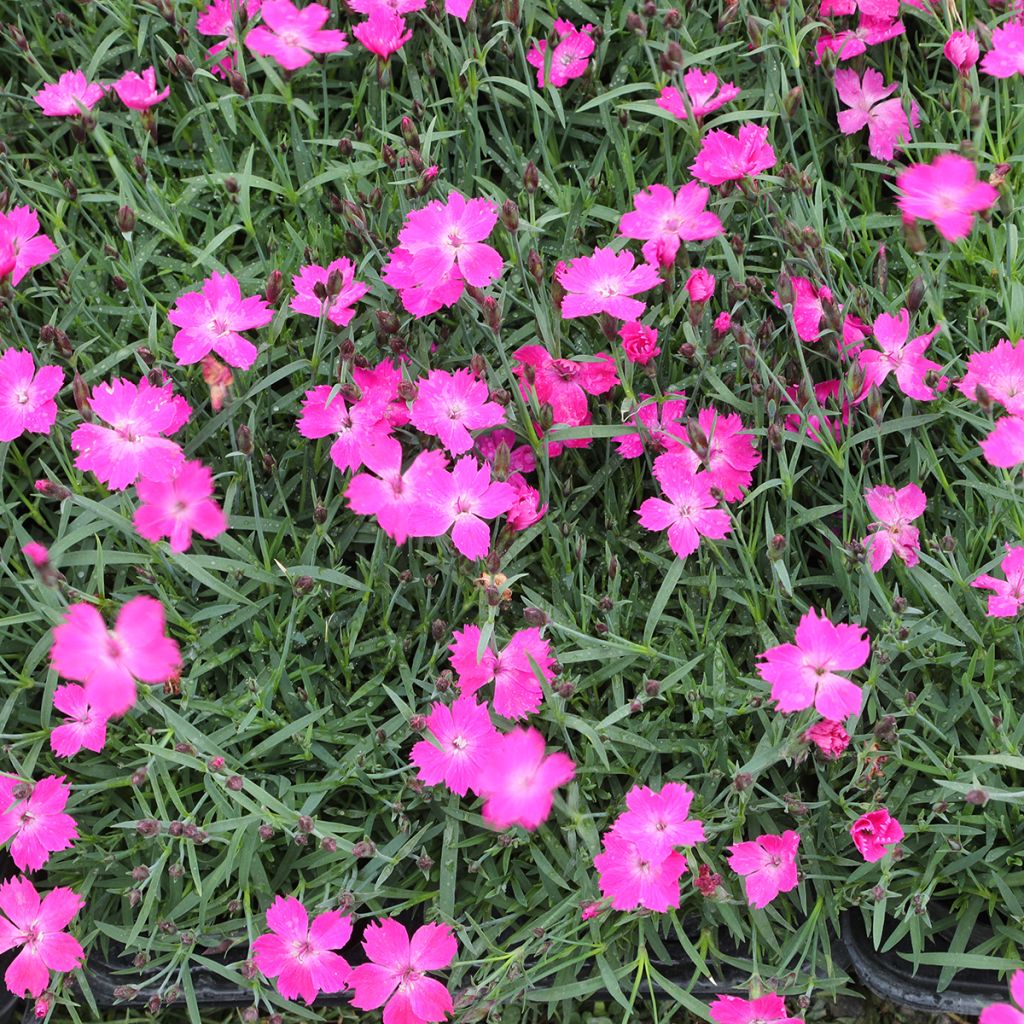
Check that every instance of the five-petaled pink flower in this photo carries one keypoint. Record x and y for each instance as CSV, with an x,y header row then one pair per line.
x,y
700,285
1000,373
85,726
449,405
364,434
1007,1013
885,118
109,661
724,157
829,737
872,833
26,395
657,821
32,817
767,1009
805,673
891,533
1008,594
564,383
37,925
633,879
463,737
603,283
704,92
570,55
662,424
383,33
292,35
1004,446
21,245
69,95
300,954
768,866
946,192
1006,58
176,507
219,20
719,447
139,92
902,357
340,306
666,220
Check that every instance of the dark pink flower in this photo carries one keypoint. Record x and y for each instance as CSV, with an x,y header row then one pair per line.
x,y
27,395
816,425
631,879
603,283
1006,58
946,192
219,20
1005,1013
564,383
662,423
768,1009
177,507
700,285
85,726
69,96
139,92
1008,593
867,98
341,307
363,433
768,866
666,220
872,833
962,51
368,7
421,293
891,533
1000,371
657,821
808,308
527,509
720,448
35,825
465,499
37,554
291,35
21,243
449,405
521,458
724,157
689,513
383,33
904,359
569,58
639,342
463,738
700,90
829,737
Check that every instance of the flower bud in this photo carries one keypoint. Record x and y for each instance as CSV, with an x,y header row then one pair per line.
x,y
531,178
274,287
510,215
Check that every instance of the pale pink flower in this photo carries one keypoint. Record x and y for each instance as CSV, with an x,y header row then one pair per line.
x,y
689,513
1007,1013
805,673
872,833
176,507
569,58
109,662
891,533
719,448
564,383
139,92
659,821
463,737
632,879
383,33
662,422
946,192
700,285
291,35
724,157
768,866
700,89
27,395
767,1009
300,954
519,781
21,243
1000,372
340,308
962,51
396,975
517,689
421,294
902,357
139,415
35,824
364,435
1004,446
1006,58
449,405
69,96
465,499
666,220
829,737
527,509
639,342
37,925
867,98
1009,592
85,726
603,283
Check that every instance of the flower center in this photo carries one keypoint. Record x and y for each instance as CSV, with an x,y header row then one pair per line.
x,y
21,396
608,289
459,743
453,239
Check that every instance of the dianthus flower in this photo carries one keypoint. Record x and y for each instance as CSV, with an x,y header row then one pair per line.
x,y
35,824
564,383
177,507
829,737
383,33
700,285
1004,446
520,457
724,157
962,51
870,107
27,395
1000,372
340,307
690,511
139,92
872,833
420,293
632,879
1007,1013
465,499
291,35
768,1009
21,245
718,446
808,307
219,20
1006,58
639,342
851,43
569,58
700,89
527,509
904,359
666,220
463,738
1008,593
657,821
815,425
364,435
891,533
369,7
449,405
946,192
69,95
603,283
768,866
85,726
662,423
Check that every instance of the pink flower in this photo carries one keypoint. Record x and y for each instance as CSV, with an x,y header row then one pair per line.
x,y
657,822
464,499
602,283
1000,372
291,35
1006,58
901,357
873,29
38,926
829,737
21,245
723,322
364,435
569,58
724,157
768,866
138,414
804,673
458,8
299,953
421,294
719,447
176,507
518,780
211,319
872,833
36,823
85,727
517,690
219,20
808,308
527,509
340,308
690,512
37,554
139,92
27,395
946,192
816,425
1004,446
700,90
564,383
700,285
69,96
1005,1013
109,662
463,737
383,33
886,120
768,1009
1009,592
379,384
639,342
962,51
662,422
631,879
396,973
891,533
450,405
521,458
666,220
368,7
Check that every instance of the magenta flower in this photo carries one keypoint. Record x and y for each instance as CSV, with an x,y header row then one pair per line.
x,y
527,509
718,446
383,33
872,833
395,977
639,342
689,513
291,35
370,7
465,498
946,192
768,866
37,925
569,58
340,308
808,307
1009,592
962,51
301,954
109,662
37,554
905,359
421,294
662,423
176,507
72,94
463,737
35,823
891,533
631,879
666,220
21,245
657,822
219,20
724,157
829,737
768,1009
1004,446
27,395
870,31
723,322
824,392
520,458
85,726
700,89
139,92
519,781
364,435
1000,372
449,405
805,673
1005,1013
867,98
517,690
602,283
700,285
1006,58
138,414
564,383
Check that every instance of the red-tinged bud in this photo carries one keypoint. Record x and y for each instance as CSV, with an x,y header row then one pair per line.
x,y
274,287
244,435
531,178
126,220
48,489
698,439
238,84
80,392
510,215
389,156
916,293
409,133
535,265
185,67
